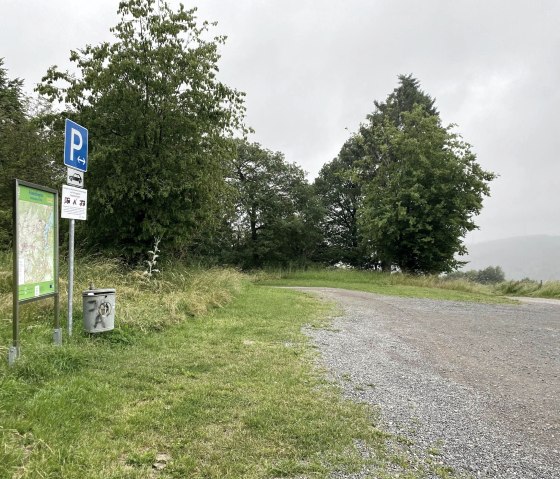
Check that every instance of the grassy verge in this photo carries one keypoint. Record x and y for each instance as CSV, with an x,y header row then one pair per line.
x,y
383,283
227,396
182,389
534,289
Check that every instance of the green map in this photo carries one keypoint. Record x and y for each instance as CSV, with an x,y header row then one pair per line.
x,y
36,228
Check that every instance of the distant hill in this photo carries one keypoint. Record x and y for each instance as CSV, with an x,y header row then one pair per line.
x,y
536,257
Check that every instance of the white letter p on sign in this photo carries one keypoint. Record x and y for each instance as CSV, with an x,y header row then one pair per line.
x,y
75,145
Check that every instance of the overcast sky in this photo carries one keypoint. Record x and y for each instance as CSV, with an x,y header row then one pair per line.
x,y
312,69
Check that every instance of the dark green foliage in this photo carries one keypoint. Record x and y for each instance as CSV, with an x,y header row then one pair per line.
x,y
276,212
403,190
489,275
24,149
158,122
373,143
420,203
404,98
339,190
11,100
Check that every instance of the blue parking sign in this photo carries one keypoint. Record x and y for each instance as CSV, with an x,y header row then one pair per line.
x,y
75,145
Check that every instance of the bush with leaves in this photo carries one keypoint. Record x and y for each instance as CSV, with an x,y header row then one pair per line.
x,y
489,275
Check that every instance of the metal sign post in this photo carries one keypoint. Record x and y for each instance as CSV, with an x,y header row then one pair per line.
x,y
74,207
74,202
70,275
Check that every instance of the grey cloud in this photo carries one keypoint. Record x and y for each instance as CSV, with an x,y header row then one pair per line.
x,y
312,69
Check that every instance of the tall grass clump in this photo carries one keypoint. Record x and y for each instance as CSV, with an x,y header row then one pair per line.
x,y
142,303
187,292
529,287
156,301
550,289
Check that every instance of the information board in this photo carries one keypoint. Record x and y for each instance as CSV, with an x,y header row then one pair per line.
x,y
36,238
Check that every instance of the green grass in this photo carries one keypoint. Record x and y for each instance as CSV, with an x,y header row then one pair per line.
x,y
205,376
535,289
431,287
227,396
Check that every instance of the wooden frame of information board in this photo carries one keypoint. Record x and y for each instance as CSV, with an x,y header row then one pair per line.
x,y
35,269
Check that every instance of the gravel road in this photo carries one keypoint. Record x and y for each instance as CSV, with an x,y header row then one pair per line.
x,y
476,386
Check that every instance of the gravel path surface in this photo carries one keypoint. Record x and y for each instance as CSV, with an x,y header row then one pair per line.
x,y
475,386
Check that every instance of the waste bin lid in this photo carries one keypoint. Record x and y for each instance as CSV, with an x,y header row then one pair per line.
x,y
96,292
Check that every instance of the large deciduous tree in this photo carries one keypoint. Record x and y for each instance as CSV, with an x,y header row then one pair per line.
x,y
159,125
277,213
403,191
421,201
341,182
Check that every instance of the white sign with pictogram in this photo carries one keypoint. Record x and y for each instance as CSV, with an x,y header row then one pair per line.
x,y
75,177
74,203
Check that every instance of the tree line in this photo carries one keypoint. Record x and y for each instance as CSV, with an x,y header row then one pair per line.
x,y
170,158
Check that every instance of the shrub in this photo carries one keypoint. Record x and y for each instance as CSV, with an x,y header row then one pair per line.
x,y
489,275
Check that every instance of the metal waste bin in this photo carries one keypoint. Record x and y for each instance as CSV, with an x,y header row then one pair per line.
x,y
99,310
